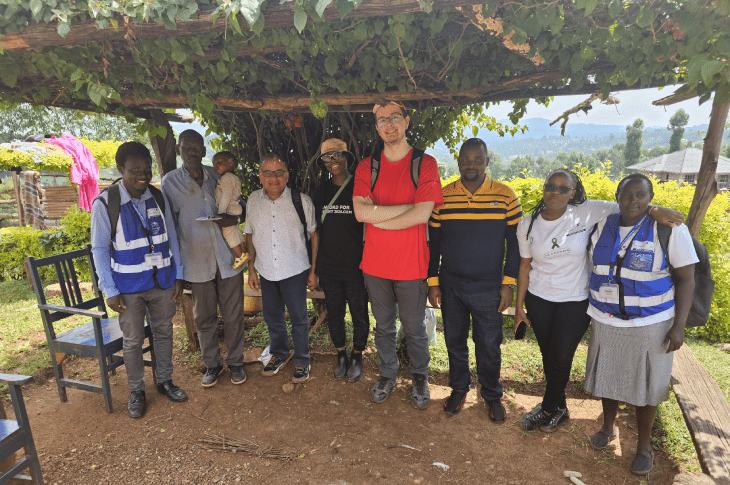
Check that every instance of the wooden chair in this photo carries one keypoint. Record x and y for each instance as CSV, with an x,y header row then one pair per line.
x,y
16,435
101,338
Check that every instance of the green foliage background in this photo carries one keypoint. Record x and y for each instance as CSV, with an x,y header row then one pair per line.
x,y
714,234
103,152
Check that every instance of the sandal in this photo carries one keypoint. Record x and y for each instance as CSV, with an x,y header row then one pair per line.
x,y
642,464
600,440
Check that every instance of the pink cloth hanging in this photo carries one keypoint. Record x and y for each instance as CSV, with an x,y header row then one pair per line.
x,y
84,171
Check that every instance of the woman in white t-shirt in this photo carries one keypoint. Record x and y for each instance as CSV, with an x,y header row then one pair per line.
x,y
553,282
638,319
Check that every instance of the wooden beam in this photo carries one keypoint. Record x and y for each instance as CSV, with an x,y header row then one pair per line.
x,y
18,198
706,188
37,36
675,98
706,412
493,27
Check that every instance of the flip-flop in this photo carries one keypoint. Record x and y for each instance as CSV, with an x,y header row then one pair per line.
x,y
642,464
600,440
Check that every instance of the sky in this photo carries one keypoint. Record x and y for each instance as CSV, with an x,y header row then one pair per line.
x,y
632,105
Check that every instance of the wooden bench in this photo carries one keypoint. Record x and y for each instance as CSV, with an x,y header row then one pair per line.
x,y
186,302
706,412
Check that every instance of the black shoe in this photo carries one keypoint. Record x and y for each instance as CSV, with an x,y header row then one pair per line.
x,y
355,370
453,404
301,374
342,364
173,393
211,375
136,406
496,411
238,375
556,419
272,367
535,418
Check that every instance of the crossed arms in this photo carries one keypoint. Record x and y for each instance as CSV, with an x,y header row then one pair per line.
x,y
394,217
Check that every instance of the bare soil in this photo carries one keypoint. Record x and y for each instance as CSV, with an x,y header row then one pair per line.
x,y
332,431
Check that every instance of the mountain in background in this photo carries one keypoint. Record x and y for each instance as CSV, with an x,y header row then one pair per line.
x,y
543,139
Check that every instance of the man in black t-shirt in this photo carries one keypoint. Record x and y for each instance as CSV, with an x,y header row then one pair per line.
x,y
339,256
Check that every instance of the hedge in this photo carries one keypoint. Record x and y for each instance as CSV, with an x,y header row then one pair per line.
x,y
103,152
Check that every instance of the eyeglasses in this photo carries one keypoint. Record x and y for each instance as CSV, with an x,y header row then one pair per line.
x,y
384,121
273,173
563,189
330,158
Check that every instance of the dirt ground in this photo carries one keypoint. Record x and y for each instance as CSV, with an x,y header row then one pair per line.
x,y
332,431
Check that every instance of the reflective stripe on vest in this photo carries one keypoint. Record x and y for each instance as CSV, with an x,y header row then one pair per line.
x,y
131,244
645,284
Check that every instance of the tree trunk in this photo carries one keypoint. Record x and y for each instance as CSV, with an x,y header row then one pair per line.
x,y
164,147
706,189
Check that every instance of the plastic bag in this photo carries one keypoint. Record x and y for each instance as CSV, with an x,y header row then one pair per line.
x,y
265,355
430,320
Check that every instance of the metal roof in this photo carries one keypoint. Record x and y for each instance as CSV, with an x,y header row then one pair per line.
x,y
685,161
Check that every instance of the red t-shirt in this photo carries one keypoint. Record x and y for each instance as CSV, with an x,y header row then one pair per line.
x,y
403,254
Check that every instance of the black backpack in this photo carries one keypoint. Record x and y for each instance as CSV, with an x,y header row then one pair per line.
x,y
416,159
115,201
699,312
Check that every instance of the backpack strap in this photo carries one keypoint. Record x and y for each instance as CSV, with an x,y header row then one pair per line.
x,y
416,159
374,169
663,233
158,198
296,198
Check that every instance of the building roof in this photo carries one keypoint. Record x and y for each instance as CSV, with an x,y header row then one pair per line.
x,y
685,161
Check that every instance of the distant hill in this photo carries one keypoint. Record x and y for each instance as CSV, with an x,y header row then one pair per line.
x,y
543,139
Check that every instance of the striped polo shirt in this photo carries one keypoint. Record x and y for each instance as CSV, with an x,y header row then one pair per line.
x,y
468,234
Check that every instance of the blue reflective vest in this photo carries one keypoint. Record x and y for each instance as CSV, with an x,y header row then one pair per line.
x,y
132,242
644,283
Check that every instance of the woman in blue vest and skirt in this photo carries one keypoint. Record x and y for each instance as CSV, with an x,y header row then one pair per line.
x,y
638,310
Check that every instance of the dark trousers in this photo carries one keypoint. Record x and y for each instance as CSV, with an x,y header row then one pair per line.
x,y
558,326
337,293
486,323
291,292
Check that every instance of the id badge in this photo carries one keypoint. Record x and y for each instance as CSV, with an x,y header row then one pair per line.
x,y
641,261
153,259
608,291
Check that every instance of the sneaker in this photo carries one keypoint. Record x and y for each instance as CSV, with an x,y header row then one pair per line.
x,y
238,262
301,374
272,367
453,404
496,411
381,390
238,375
421,397
556,419
211,375
535,418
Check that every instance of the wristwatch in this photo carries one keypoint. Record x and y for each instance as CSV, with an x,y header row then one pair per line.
x,y
512,286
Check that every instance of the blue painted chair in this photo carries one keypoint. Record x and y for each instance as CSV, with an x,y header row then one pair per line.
x,y
101,338
15,435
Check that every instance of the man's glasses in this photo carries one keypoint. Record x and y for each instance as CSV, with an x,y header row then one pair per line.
x,y
273,173
384,121
332,157
563,189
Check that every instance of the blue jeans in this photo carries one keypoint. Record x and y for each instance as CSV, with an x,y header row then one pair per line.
x,y
291,292
456,308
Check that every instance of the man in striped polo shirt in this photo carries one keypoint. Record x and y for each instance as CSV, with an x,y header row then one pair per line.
x,y
468,275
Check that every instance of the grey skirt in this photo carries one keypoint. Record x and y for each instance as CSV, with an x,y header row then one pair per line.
x,y
629,364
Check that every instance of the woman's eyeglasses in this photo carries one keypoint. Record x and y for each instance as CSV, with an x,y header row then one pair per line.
x,y
331,157
563,189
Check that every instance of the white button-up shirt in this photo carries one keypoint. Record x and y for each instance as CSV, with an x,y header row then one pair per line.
x,y
278,234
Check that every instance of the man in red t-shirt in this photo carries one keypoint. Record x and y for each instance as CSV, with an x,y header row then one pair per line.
x,y
395,257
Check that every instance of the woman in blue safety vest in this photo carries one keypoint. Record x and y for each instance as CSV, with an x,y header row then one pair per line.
x,y
638,311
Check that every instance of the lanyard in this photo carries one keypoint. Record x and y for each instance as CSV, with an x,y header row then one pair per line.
x,y
326,210
145,222
621,245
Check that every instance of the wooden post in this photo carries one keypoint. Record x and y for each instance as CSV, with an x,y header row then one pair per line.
x,y
18,199
164,147
706,188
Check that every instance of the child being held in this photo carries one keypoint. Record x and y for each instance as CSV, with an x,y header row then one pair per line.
x,y
226,198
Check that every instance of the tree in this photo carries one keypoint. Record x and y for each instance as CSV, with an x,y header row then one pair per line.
x,y
632,150
676,125
19,122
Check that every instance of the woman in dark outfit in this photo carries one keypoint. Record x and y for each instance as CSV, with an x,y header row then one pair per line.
x,y
339,256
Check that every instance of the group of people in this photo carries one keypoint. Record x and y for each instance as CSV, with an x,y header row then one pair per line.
x,y
465,248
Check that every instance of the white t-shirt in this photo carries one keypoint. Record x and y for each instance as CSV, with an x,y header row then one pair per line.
x,y
560,268
681,253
